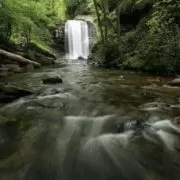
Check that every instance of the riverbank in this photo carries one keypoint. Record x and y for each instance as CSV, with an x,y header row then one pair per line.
x,y
24,59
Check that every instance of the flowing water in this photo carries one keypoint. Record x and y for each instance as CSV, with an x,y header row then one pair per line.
x,y
77,38
98,125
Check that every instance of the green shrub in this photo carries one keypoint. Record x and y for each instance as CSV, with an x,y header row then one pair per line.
x,y
108,54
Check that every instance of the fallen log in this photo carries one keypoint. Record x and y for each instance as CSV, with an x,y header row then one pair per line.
x,y
18,58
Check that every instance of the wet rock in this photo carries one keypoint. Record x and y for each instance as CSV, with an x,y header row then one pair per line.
x,y
121,77
8,132
13,68
80,58
40,58
177,120
10,69
176,109
29,67
3,72
9,93
3,120
155,106
175,82
39,54
154,81
52,80
35,48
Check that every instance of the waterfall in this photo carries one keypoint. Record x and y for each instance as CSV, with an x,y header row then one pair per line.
x,y
77,39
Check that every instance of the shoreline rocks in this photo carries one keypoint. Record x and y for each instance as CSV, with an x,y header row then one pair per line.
x,y
10,93
28,58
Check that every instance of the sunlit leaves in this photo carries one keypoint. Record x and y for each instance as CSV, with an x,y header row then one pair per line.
x,y
29,18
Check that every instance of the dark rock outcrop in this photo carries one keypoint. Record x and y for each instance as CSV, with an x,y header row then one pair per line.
x,y
9,93
58,36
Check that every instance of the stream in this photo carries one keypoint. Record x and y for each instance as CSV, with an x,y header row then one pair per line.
x,y
99,124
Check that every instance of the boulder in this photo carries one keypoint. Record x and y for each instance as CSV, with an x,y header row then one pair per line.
x,y
35,48
175,82
36,53
52,80
9,93
40,58
80,58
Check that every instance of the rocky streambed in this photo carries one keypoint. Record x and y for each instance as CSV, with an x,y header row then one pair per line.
x,y
74,115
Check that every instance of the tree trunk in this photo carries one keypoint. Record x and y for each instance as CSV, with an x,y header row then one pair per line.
x,y
107,19
18,58
119,29
99,21
105,22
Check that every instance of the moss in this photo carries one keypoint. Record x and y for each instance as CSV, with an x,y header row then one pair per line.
x,y
40,48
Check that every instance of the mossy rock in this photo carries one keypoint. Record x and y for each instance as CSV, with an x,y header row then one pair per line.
x,y
34,47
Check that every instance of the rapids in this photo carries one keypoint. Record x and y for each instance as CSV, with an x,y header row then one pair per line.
x,y
99,124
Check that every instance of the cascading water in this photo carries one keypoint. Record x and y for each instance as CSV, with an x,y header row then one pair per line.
x,y
77,39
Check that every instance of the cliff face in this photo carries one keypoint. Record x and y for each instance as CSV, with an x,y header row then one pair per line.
x,y
58,36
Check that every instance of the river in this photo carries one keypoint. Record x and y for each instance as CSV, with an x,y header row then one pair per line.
x,y
98,124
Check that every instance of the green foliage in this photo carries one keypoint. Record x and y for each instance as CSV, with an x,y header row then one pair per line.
x,y
23,21
106,54
153,45
78,7
160,49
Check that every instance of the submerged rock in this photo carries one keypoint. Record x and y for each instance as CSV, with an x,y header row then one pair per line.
x,y
9,93
175,82
52,80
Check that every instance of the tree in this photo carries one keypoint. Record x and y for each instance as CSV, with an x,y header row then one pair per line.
x,y
23,21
